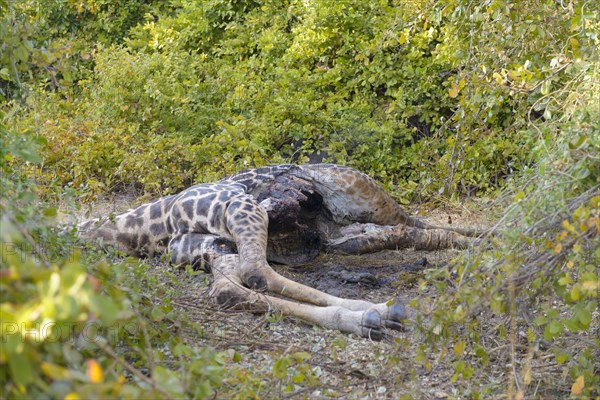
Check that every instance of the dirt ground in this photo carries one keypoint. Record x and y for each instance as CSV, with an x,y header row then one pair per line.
x,y
350,367
346,366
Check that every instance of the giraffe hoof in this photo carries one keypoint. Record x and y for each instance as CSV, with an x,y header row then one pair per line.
x,y
371,325
257,283
395,316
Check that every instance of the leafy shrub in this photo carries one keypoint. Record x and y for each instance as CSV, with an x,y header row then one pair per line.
x,y
539,280
69,328
390,88
542,275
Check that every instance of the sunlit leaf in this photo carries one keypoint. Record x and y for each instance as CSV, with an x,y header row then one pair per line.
x,y
453,91
459,347
578,386
94,371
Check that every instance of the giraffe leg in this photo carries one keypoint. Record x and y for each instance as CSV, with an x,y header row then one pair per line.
x,y
229,291
250,236
211,252
198,250
369,238
393,315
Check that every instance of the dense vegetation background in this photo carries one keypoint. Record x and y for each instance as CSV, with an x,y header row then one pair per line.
x,y
436,100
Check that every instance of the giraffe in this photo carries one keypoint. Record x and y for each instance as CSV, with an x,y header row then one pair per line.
x,y
283,213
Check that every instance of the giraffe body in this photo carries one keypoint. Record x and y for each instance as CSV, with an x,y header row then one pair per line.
x,y
285,213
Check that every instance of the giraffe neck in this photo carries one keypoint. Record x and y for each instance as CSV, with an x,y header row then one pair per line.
x,y
144,230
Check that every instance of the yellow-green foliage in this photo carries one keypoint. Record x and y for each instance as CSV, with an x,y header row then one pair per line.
x,y
404,91
75,327
448,97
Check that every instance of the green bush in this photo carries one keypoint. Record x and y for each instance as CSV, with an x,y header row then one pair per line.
x,y
394,89
74,326
541,274
540,278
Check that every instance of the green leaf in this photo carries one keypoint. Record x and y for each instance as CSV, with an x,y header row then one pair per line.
x,y
5,75
20,368
552,330
50,212
555,327
572,325
578,142
546,86
561,357
157,314
168,380
565,280
105,307
280,367
519,196
301,356
584,316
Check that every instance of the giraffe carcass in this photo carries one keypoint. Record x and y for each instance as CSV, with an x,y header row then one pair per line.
x,y
282,213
